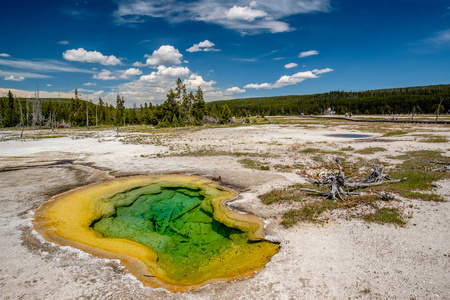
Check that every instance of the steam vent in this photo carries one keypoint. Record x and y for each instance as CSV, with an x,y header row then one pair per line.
x,y
169,231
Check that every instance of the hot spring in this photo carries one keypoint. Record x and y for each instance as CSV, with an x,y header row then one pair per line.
x,y
169,231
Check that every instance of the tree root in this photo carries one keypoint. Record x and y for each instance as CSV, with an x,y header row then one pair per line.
x,y
337,182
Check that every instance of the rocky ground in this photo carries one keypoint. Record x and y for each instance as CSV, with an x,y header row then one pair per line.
x,y
342,258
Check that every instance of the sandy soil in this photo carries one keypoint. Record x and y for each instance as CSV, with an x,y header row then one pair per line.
x,y
341,259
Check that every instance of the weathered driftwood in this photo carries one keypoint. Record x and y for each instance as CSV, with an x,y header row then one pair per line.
x,y
337,182
385,196
445,166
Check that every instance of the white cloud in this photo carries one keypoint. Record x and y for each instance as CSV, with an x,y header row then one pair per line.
x,y
14,78
85,90
82,55
322,71
47,65
104,75
308,53
290,65
439,39
245,13
245,59
194,81
234,90
165,55
48,84
4,55
130,72
22,74
63,42
90,84
256,17
205,46
154,86
289,79
259,86
173,72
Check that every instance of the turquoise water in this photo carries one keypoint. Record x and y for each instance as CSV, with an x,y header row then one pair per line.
x,y
177,223
351,135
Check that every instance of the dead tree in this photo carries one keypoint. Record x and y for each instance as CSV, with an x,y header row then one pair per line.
x,y
438,108
336,182
444,168
22,123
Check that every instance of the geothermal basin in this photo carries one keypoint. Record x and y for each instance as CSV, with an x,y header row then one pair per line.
x,y
169,231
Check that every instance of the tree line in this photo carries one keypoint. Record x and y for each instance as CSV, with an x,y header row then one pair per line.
x,y
183,108
423,99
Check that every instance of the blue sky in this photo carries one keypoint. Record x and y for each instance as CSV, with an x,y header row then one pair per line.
x,y
232,49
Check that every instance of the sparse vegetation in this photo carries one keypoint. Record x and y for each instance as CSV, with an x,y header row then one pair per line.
x,y
370,150
417,166
435,139
394,133
310,212
386,215
253,164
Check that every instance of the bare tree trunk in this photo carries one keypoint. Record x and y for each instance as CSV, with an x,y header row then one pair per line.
x,y
27,116
39,112
53,120
337,182
439,106
21,118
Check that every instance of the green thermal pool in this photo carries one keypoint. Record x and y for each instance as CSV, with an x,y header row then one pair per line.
x,y
169,231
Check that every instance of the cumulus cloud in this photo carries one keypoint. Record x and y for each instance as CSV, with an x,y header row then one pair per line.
x,y
130,72
256,17
4,55
289,79
234,90
164,71
63,42
154,86
48,84
205,46
290,65
104,75
90,84
166,55
308,53
81,55
245,13
14,78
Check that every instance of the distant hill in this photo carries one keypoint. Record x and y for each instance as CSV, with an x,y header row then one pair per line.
x,y
421,99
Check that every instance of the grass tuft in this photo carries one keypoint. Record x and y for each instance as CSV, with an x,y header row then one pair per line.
x,y
310,212
394,133
370,150
386,216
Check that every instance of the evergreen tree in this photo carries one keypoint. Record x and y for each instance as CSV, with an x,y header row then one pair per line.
x,y
120,108
225,114
170,108
10,115
198,107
